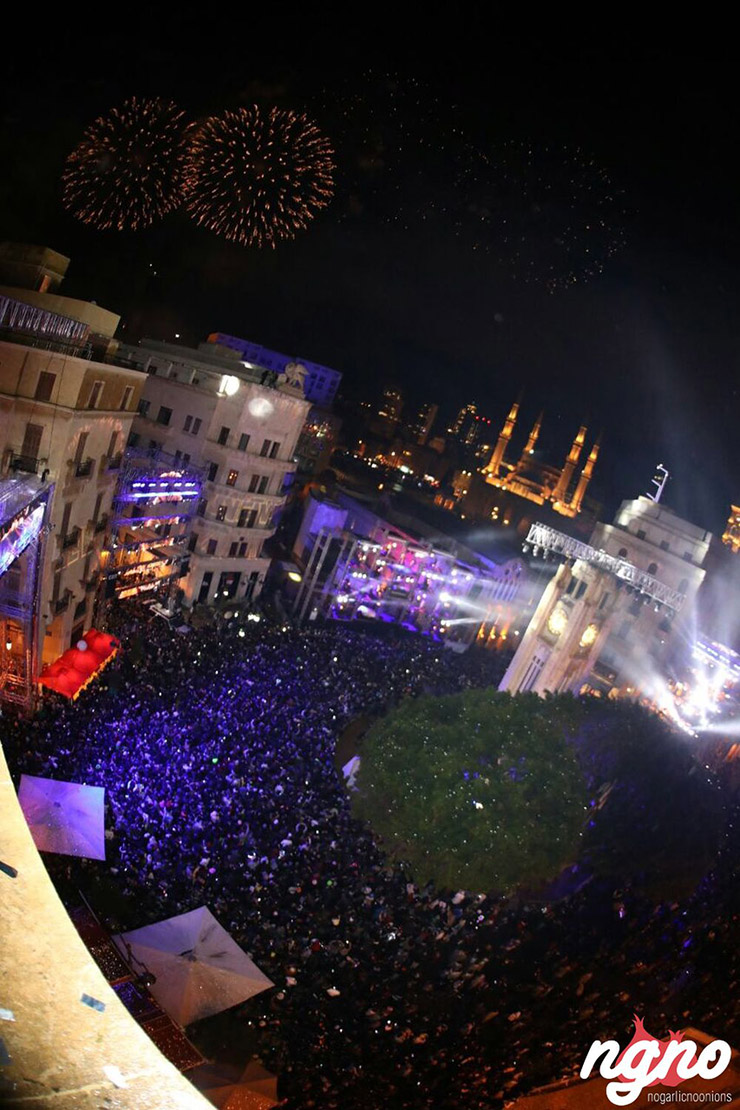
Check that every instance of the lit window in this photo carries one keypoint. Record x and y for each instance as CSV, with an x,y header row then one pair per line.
x,y
221,512
233,475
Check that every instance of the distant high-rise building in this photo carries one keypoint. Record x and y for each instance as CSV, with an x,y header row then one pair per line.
x,y
422,425
391,404
463,422
731,534
321,383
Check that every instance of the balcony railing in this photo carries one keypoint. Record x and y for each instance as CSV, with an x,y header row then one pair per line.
x,y
27,463
84,469
62,603
71,539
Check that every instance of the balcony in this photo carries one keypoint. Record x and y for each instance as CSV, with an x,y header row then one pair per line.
x,y
62,603
27,464
72,539
84,469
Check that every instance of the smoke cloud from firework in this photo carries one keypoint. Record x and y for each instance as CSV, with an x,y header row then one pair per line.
x,y
258,176
127,170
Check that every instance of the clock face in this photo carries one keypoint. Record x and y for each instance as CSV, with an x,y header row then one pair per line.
x,y
557,621
589,635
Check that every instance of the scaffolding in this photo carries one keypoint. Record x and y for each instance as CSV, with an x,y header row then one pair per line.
x,y
156,493
24,505
542,537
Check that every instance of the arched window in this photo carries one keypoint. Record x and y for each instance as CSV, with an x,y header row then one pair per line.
x,y
653,568
622,553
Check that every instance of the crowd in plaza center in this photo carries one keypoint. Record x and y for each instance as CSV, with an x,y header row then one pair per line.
x,y
217,751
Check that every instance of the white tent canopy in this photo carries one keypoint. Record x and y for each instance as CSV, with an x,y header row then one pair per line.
x,y
64,817
200,970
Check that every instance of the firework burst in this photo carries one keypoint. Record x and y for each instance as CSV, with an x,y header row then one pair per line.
x,y
257,176
127,171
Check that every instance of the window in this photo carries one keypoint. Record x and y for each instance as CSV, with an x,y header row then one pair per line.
x,y
653,568
664,545
185,458
133,439
622,553
223,435
212,471
242,549
604,599
251,518
192,542
44,386
265,448
64,526
243,441
178,458
571,585
233,475
164,415
254,481
242,521
143,407
262,487
688,557
126,399
202,507
233,549
112,444
274,449
188,422
95,394
212,545
581,590
31,444
96,510
196,425
641,533
80,449
221,512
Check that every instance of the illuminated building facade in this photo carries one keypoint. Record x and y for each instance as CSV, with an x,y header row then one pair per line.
x,y
240,425
563,488
153,507
24,505
65,420
321,383
731,534
611,615
421,427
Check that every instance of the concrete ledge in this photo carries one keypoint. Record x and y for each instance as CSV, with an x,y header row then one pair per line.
x,y
60,1047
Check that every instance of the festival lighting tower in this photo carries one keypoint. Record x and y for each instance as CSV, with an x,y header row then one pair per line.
x,y
612,613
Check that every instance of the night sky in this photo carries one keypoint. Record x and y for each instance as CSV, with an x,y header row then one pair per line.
x,y
393,282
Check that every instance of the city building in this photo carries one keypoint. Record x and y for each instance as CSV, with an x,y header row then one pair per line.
x,y
65,420
731,534
318,438
528,477
321,383
32,275
240,424
617,607
420,428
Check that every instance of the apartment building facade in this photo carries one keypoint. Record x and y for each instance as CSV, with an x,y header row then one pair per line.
x,y
217,413
66,419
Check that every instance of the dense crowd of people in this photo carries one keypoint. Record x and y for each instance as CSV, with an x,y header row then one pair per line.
x,y
217,751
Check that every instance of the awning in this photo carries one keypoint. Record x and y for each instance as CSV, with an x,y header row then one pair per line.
x,y
78,666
